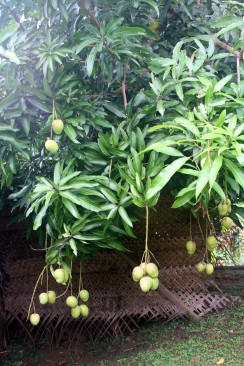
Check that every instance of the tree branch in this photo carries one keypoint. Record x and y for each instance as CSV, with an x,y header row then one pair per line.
x,y
91,14
227,47
124,86
237,54
12,13
238,69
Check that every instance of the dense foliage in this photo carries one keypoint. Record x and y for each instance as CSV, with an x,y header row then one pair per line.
x,y
150,94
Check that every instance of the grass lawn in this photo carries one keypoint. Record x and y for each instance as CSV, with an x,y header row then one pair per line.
x,y
215,340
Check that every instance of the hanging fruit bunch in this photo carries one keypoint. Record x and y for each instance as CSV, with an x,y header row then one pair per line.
x,y
224,208
63,277
147,272
191,244
56,127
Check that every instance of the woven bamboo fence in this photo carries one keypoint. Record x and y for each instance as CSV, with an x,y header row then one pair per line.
x,y
117,306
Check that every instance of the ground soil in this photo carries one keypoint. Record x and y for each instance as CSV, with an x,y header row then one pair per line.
x,y
216,338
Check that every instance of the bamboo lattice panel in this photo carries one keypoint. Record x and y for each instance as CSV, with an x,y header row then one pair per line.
x,y
117,306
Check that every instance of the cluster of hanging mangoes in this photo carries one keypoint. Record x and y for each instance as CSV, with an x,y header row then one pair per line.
x,y
61,276
51,145
224,208
147,276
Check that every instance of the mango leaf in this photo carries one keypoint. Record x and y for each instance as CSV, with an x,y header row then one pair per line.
x,y
109,195
221,118
235,171
117,246
219,190
88,237
73,246
217,163
225,21
114,109
68,177
56,174
181,201
71,207
70,132
9,55
179,91
188,125
164,176
90,60
230,27
167,150
152,4
130,31
160,107
203,178
81,201
8,30
85,43
39,217
124,216
221,83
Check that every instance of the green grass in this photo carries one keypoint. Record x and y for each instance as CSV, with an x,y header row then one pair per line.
x,y
178,343
184,343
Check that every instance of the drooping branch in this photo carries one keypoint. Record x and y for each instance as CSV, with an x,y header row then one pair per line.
x,y
91,14
12,13
237,54
124,85
227,47
238,70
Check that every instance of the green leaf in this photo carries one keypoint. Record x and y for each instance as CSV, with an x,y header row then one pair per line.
x,y
164,176
73,246
179,91
56,174
215,170
160,107
152,4
159,63
81,201
8,30
188,125
109,195
181,201
70,132
10,55
225,21
40,105
117,246
221,118
129,31
236,172
68,177
230,27
114,109
167,150
85,43
221,83
90,60
39,217
124,216
71,207
92,237
219,190
203,178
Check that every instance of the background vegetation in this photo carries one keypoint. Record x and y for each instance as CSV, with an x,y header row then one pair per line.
x,y
150,94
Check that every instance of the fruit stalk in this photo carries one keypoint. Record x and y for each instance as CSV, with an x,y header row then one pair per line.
x,y
146,237
34,291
